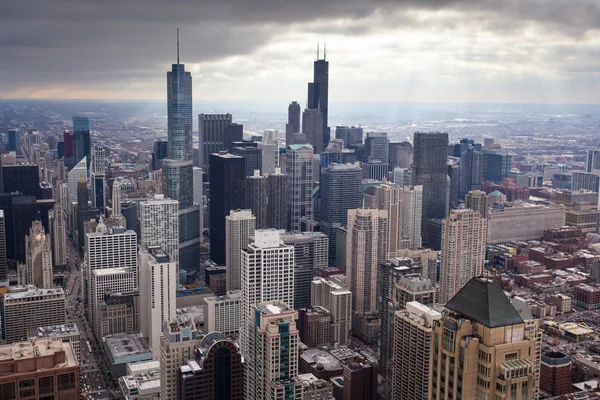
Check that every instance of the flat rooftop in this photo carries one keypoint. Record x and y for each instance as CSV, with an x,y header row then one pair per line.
x,y
38,348
121,345
54,331
31,292
273,307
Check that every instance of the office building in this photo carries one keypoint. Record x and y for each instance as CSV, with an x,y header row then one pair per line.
x,y
299,171
496,165
340,189
211,136
471,167
271,364
293,124
592,161
375,170
412,206
477,200
239,226
586,180
178,343
388,197
312,128
98,165
252,156
267,275
38,257
360,379
159,225
223,313
158,284
13,137
73,177
256,198
142,380
98,185
21,178
277,200
453,183
314,325
413,334
68,151
402,176
430,171
349,134
159,153
25,308
401,155
472,354
463,250
118,313
199,189
522,221
269,147
336,299
227,182
41,369
310,254
3,263
318,93
68,333
555,373
81,140
216,372
24,213
377,147
366,247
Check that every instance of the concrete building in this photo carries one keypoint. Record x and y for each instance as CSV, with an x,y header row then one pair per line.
x,y
312,127
223,313
38,257
314,388
413,334
427,258
310,254
485,336
277,200
142,381
314,325
42,369
270,151
349,134
388,197
298,159
267,275
212,135
159,225
477,200
401,156
25,308
377,147
402,176
271,369
58,226
412,210
463,250
158,284
118,313
66,333
124,348
257,198
586,180
555,374
562,302
215,372
239,226
338,301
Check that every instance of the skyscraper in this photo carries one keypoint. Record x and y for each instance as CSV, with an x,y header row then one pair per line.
x,y
252,156
388,197
211,136
58,228
239,226
257,198
312,128
477,200
401,155
341,187
463,250
21,178
73,177
24,213
160,151
592,161
270,151
496,165
402,176
349,134
227,182
293,124
3,265
267,275
430,170
471,168
38,257
277,187
12,140
159,226
318,92
97,166
299,163
377,147
69,154
81,140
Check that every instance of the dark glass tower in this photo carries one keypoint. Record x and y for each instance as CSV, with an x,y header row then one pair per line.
x,y
25,211
68,150
159,153
430,169
257,198
318,92
227,183
496,165
293,124
81,140
12,140
21,178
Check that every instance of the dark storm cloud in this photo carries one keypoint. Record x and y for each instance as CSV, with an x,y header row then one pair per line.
x,y
45,42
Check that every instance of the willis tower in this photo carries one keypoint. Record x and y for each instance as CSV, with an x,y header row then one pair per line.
x,y
177,169
318,92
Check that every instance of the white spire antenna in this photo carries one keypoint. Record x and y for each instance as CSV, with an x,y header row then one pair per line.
x,y
177,45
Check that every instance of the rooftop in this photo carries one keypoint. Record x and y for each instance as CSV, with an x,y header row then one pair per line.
x,y
54,331
38,348
273,307
125,344
29,292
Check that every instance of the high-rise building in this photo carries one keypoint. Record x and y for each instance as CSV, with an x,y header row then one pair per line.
x,y
463,250
81,140
239,226
430,171
312,128
341,189
377,147
178,342
12,140
97,166
477,200
38,257
299,163
471,167
314,324
592,161
349,134
402,176
21,178
24,213
252,156
318,92
159,225
586,180
158,286
496,165
159,152
412,210
366,246
40,369
211,136
28,308
555,373
69,154
58,231
413,333
269,147
3,263
257,198
73,177
337,300
293,124
401,155
267,275
388,197
216,372
277,203
472,337
271,364
227,182
310,254
223,313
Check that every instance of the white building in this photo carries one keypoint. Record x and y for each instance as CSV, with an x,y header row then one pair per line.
x,y
142,381
158,287
159,225
267,275
411,215
38,257
239,226
97,164
73,177
224,313
270,151
402,176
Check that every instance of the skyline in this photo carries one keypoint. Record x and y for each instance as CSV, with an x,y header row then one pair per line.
x,y
452,51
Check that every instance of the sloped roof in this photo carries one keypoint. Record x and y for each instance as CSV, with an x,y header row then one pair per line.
x,y
484,301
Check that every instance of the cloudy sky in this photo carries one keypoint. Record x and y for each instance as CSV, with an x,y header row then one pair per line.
x,y
379,50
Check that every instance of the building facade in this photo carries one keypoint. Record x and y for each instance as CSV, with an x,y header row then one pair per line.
x,y
239,226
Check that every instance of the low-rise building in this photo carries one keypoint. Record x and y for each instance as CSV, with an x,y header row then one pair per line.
x,y
587,296
563,303
142,381
66,332
122,349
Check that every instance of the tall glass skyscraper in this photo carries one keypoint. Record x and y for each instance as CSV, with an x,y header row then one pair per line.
x,y
81,140
318,92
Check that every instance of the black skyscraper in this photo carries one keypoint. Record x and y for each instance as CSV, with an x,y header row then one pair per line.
x,y
12,140
252,156
430,169
227,182
293,124
21,178
159,153
6,204
318,92
25,211
81,140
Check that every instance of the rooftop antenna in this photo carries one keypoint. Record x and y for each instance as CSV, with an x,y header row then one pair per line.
x,y
177,45
317,49
325,51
